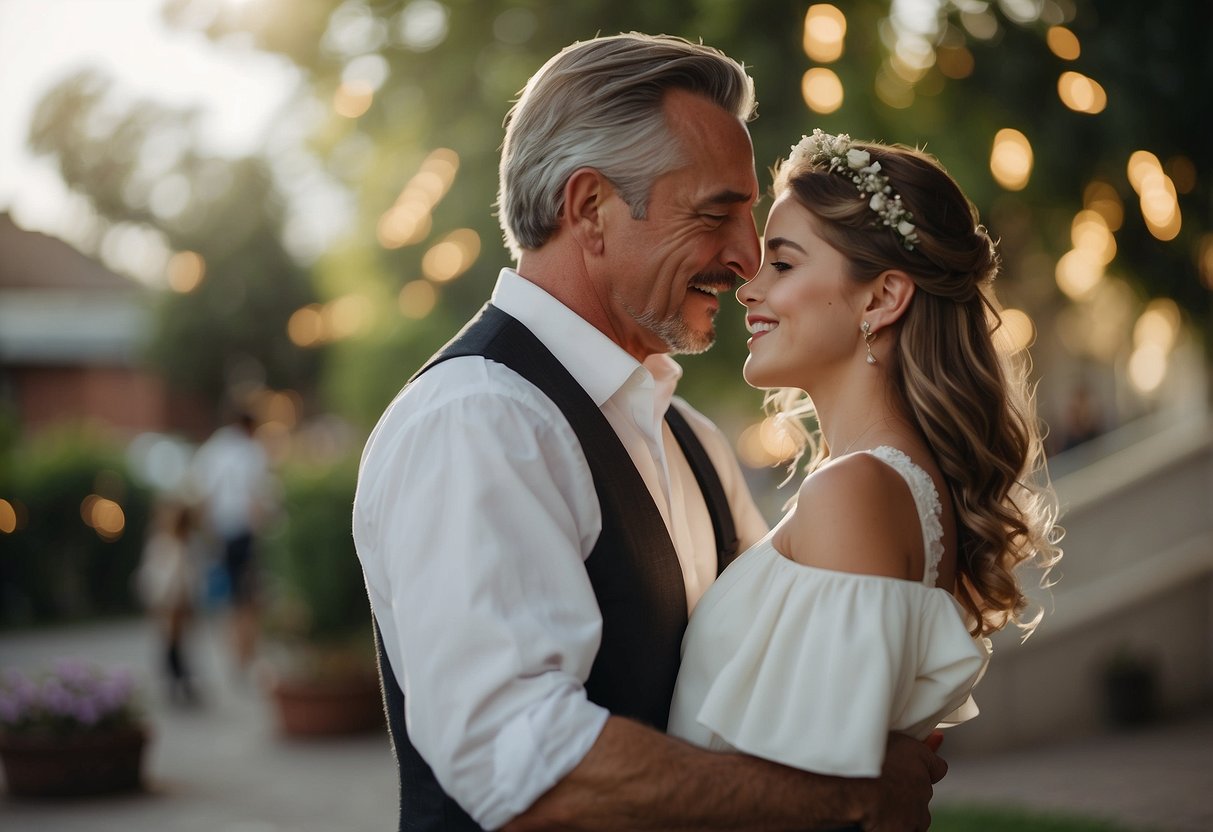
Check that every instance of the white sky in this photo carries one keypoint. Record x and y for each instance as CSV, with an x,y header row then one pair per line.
x,y
42,41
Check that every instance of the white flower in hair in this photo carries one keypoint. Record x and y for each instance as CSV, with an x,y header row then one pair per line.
x,y
839,156
858,159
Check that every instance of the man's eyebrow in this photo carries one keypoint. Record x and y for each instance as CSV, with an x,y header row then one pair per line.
x,y
774,243
727,197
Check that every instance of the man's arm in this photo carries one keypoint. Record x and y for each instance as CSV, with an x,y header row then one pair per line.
x,y
637,778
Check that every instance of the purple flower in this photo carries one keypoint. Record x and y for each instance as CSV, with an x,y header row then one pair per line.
x,y
71,696
73,671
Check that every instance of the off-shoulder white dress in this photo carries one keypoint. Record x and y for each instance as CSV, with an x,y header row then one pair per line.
x,y
814,667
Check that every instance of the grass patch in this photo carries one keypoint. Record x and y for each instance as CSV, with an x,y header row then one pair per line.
x,y
995,819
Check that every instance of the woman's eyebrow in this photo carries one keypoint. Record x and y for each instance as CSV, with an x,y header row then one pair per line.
x,y
774,243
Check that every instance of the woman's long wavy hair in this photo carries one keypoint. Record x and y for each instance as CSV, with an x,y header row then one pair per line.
x,y
970,399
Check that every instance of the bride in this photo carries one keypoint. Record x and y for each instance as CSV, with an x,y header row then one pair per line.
x,y
866,609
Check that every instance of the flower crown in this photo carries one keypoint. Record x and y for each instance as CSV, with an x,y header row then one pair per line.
x,y
852,163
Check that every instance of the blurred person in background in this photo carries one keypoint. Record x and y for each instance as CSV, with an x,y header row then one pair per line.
x,y
231,477
536,512
167,584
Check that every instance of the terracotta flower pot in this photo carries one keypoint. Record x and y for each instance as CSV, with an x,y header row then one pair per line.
x,y
87,763
327,707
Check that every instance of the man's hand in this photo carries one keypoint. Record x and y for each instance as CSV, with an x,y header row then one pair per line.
x,y
904,791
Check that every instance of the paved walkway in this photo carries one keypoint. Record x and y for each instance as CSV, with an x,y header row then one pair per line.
x,y
224,768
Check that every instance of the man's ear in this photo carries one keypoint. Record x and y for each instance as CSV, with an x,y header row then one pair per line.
x,y
585,194
891,292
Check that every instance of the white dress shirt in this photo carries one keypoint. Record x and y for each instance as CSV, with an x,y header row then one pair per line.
x,y
474,514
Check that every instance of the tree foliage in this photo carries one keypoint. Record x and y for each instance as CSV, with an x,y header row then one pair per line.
x,y
443,73
136,164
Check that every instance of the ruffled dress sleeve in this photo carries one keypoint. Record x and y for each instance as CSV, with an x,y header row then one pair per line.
x,y
812,667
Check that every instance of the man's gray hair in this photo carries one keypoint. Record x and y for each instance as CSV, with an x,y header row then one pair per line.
x,y
599,104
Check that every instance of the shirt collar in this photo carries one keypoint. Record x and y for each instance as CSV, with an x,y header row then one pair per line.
x,y
596,362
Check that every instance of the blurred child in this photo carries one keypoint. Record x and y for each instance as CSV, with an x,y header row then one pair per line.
x,y
167,584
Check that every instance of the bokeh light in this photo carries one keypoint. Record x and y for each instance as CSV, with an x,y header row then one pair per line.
x,y
980,22
353,98
1147,367
306,326
404,224
185,271
1017,331
892,89
1158,324
417,299
1159,200
1081,94
822,90
452,256
912,56
825,29
955,62
282,407
1078,272
160,460
409,220
422,25
1154,335
104,516
1063,43
1089,231
347,316
1011,159
766,443
1103,199
8,517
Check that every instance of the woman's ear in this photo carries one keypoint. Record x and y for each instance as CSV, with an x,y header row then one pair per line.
x,y
585,193
891,292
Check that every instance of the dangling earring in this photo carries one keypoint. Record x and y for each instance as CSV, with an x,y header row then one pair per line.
x,y
868,337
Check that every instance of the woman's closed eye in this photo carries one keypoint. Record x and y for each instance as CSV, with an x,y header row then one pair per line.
x,y
780,266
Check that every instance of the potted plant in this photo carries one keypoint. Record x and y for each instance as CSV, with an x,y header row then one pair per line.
x,y
72,729
321,671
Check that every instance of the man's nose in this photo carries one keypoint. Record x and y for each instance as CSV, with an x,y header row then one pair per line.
x,y
744,253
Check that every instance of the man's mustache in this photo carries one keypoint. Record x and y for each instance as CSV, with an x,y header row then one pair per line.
x,y
722,280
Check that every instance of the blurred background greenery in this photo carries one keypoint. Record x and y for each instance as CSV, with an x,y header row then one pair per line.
x,y
309,276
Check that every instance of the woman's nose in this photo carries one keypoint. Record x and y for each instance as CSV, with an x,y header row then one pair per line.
x,y
747,293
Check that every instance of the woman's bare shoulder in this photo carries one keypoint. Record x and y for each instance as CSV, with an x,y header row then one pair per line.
x,y
857,515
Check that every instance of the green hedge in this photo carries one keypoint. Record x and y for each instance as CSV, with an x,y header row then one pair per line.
x,y
55,566
320,593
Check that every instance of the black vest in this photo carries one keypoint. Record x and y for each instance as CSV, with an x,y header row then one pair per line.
x,y
633,567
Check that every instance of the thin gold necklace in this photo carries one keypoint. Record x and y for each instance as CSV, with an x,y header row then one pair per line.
x,y
866,431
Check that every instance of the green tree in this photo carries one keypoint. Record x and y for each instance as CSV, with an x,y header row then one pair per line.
x,y
136,164
946,75
444,73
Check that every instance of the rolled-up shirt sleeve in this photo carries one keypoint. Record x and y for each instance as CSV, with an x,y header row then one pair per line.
x,y
474,514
